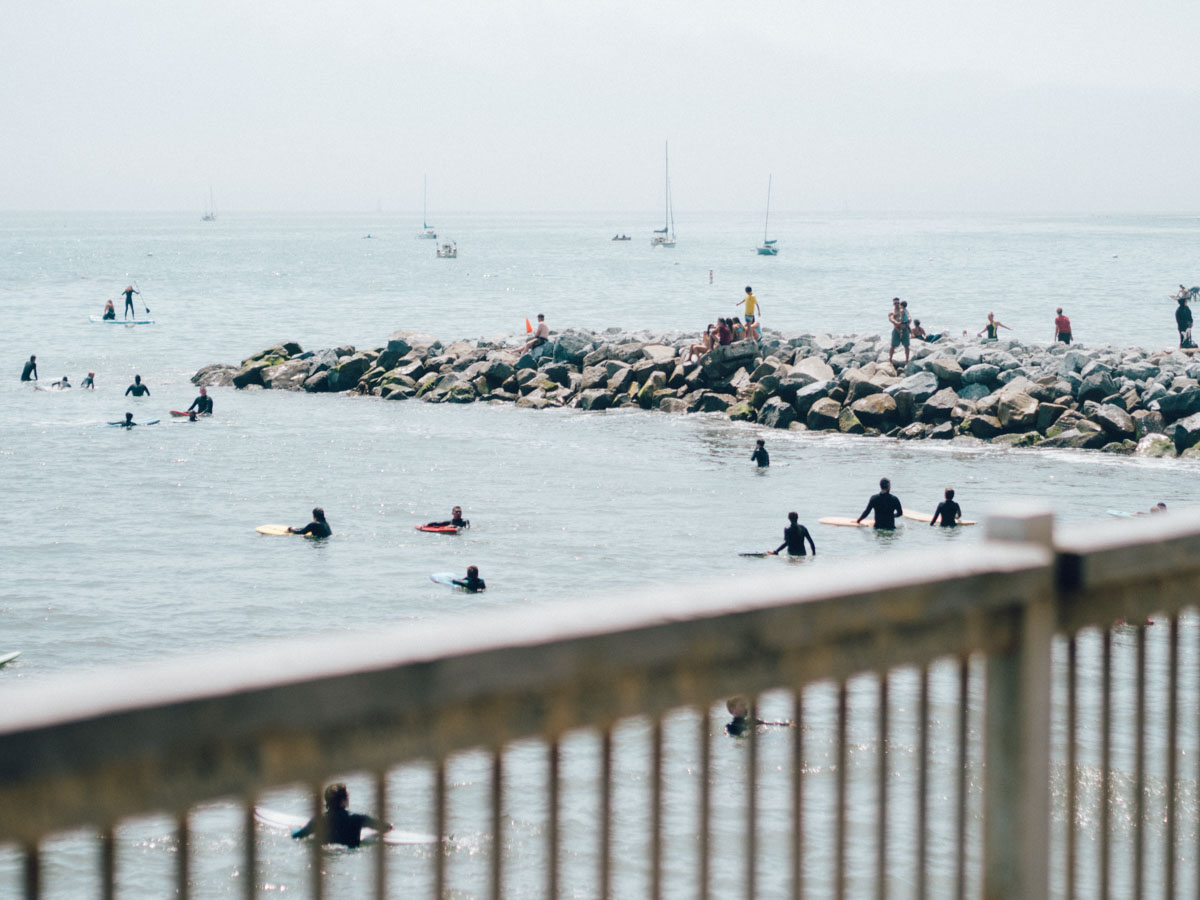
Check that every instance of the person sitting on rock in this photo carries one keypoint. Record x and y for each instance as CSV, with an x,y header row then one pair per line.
x,y
724,333
541,334
739,330
707,341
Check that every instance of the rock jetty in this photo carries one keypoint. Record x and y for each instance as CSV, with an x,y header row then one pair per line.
x,y
1117,400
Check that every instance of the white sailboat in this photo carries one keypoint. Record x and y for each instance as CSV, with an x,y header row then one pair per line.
x,y
665,236
210,212
427,232
767,247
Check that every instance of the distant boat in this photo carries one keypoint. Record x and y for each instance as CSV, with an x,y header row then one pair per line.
x,y
620,237
427,233
210,211
448,250
665,236
768,248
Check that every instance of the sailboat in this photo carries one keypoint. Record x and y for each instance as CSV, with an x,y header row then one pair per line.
x,y
665,236
427,232
210,212
768,248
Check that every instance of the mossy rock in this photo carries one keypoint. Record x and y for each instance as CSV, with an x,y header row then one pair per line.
x,y
742,412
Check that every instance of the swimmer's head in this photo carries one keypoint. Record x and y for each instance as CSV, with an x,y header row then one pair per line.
x,y
949,493
472,571
737,706
337,796
885,484
319,515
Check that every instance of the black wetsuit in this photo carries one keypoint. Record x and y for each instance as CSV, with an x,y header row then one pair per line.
x,y
129,301
315,528
1183,320
886,508
948,511
203,404
88,383
793,538
341,827
457,523
110,314
474,585
761,457
29,373
138,390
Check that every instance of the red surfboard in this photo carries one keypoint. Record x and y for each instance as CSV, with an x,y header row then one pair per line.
x,y
438,529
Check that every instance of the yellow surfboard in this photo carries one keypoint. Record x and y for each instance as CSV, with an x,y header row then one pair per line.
x,y
272,529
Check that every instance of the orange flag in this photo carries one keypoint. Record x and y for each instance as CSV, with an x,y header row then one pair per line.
x,y
528,327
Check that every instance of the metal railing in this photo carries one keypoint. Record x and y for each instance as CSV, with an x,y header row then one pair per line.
x,y
933,746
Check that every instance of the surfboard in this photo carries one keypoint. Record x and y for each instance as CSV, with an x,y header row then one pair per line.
x,y
845,522
135,424
282,821
928,517
272,529
438,529
105,321
754,553
1121,514
6,658
446,578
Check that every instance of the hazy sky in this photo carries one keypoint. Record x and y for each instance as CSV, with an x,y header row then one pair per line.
x,y
1008,105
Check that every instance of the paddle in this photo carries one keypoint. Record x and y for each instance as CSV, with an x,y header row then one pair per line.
x,y
139,290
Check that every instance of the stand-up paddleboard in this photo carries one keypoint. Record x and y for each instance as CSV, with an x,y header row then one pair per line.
x,y
6,658
272,529
928,517
845,522
438,529
286,822
105,321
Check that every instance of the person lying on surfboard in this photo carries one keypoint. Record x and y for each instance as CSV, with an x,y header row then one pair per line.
x,y
472,582
318,527
885,505
948,511
740,724
456,520
338,825
793,538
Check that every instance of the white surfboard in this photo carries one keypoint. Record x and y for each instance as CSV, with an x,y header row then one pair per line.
x,y
281,821
6,658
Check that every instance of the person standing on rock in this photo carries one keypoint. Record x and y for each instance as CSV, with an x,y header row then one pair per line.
x,y
1183,321
541,334
794,537
900,329
948,512
992,328
752,307
760,454
885,505
1062,328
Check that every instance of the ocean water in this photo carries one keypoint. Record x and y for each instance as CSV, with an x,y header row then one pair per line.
x,y
132,546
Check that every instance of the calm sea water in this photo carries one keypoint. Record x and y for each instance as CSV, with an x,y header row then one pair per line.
x,y
133,546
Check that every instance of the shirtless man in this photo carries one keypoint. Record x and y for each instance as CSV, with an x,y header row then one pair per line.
x,y
541,334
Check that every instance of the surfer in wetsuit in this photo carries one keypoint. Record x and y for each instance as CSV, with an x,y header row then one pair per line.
x,y
885,505
128,423
338,825
948,512
29,373
993,328
202,404
794,537
760,454
129,292
89,383
739,725
318,527
137,388
109,311
472,582
62,385
456,520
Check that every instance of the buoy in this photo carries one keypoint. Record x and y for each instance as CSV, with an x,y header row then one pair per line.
x,y
528,327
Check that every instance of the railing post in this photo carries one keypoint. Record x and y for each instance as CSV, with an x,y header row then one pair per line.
x,y
1016,826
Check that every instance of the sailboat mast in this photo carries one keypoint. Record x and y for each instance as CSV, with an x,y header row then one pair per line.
x,y
768,216
425,203
667,187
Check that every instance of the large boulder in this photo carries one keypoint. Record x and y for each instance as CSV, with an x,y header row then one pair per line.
x,y
250,375
216,375
938,407
981,373
921,386
848,422
823,414
1148,421
807,396
346,375
814,368
1048,414
658,353
973,392
876,411
288,376
595,400
1017,412
1096,386
1178,405
716,402
1077,439
983,427
776,413
947,370
1186,432
1154,446
1115,422
571,348
729,357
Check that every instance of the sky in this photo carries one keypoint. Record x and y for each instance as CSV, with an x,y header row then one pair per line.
x,y
900,106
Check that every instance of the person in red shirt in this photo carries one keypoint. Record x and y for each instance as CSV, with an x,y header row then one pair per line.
x,y
1062,327
724,332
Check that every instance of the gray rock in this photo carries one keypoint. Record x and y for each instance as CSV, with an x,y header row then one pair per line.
x,y
288,376
1000,359
1177,406
848,423
980,373
716,402
1096,386
913,432
970,356
921,386
938,407
1073,361
1155,445
776,413
875,411
983,427
1148,421
1186,432
943,431
814,368
571,348
1114,421
1017,412
1075,438
947,370
1048,414
823,414
559,373
805,397
973,392
595,400
672,405
658,353
317,383
216,375
250,375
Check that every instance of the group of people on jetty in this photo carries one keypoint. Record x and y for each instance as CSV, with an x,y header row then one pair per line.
x,y
726,330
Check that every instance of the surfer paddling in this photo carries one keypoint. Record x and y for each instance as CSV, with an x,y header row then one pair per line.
x,y
794,537
885,505
337,824
456,520
742,720
317,528
472,583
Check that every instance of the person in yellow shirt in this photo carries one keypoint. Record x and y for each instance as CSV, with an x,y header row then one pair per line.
x,y
753,308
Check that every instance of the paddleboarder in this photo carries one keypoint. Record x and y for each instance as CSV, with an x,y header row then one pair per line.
x,y
137,388
109,311
129,292
885,505
794,537
203,404
29,373
318,527
455,519
472,582
338,825
948,512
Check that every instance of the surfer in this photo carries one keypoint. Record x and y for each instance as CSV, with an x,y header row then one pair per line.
x,y
1157,508
109,311
472,582
318,527
191,415
29,373
202,404
541,334
338,825
794,537
992,328
456,520
137,388
128,423
948,511
89,383
760,454
61,385
739,725
1062,327
1183,321
886,506
129,292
